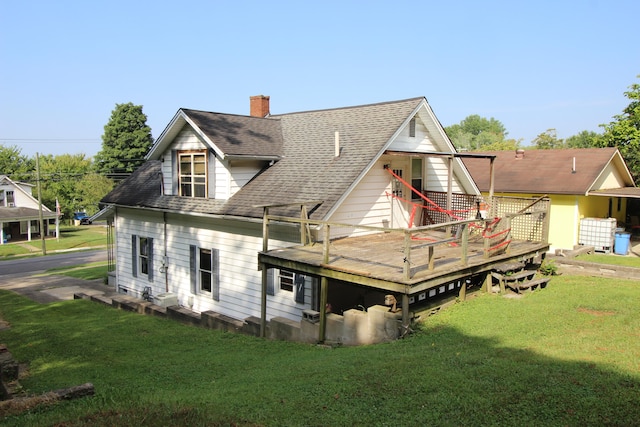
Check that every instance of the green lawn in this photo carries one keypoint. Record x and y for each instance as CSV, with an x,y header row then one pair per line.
x,y
71,238
565,355
612,259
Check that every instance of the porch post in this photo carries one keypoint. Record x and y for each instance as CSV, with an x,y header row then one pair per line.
x,y
491,178
324,285
1,233
405,313
449,189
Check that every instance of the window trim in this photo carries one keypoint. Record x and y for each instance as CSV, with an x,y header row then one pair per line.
x,y
415,178
137,257
194,178
196,273
286,280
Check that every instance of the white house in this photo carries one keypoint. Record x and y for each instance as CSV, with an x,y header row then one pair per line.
x,y
189,222
20,212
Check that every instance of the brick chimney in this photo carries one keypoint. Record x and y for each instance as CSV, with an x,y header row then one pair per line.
x,y
259,106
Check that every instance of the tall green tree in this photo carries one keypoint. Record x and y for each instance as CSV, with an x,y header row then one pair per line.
x,y
548,140
585,139
476,133
624,132
125,142
14,164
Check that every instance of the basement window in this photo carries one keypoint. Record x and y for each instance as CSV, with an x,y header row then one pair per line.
x,y
286,279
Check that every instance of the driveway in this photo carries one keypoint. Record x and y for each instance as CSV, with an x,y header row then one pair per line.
x,y
26,276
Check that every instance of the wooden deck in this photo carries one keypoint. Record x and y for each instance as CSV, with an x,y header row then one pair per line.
x,y
378,260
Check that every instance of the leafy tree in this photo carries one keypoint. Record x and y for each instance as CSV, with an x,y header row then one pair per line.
x,y
548,140
504,145
70,180
14,164
585,139
125,142
624,132
476,133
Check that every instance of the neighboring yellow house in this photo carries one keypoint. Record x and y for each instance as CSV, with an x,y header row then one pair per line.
x,y
581,183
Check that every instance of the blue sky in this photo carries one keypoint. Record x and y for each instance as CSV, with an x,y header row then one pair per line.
x,y
64,65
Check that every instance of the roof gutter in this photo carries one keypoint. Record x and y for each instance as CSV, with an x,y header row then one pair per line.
x,y
190,213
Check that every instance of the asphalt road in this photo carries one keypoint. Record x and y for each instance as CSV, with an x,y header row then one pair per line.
x,y
28,266
24,276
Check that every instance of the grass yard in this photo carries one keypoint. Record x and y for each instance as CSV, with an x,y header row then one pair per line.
x,y
565,355
71,238
611,259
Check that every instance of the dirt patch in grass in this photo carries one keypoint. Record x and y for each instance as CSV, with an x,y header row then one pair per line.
x,y
596,312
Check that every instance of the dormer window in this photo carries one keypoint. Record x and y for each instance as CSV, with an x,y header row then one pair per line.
x,y
11,202
193,173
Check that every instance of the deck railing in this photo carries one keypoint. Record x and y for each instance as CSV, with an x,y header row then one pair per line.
x,y
522,220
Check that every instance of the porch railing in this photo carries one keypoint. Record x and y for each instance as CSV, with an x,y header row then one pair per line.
x,y
496,233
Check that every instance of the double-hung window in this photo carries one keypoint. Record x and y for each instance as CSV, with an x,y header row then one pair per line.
x,y
205,271
142,256
193,173
11,202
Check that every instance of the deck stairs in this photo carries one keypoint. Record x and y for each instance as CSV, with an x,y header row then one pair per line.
x,y
518,277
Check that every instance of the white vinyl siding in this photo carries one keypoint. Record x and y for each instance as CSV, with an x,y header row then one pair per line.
x,y
367,204
237,242
243,172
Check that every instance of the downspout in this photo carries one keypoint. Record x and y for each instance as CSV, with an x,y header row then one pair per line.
x,y
164,258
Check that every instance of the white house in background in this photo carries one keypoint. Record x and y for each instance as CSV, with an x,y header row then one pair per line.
x,y
20,213
188,222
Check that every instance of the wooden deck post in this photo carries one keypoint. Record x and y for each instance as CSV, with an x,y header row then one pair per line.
x,y
406,268
405,312
449,188
488,282
324,285
465,243
508,235
491,178
324,294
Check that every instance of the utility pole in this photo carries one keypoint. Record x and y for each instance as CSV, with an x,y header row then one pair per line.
x,y
42,235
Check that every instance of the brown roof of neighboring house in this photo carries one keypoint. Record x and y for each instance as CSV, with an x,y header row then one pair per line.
x,y
561,171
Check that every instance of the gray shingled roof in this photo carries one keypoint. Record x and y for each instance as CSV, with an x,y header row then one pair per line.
x,y
307,171
239,135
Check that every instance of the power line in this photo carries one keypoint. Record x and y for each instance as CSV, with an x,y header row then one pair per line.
x,y
51,140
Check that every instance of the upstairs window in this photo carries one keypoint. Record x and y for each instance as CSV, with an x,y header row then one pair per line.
x,y
10,199
193,173
416,177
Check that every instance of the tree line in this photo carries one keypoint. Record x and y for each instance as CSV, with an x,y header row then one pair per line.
x,y
476,133
77,182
